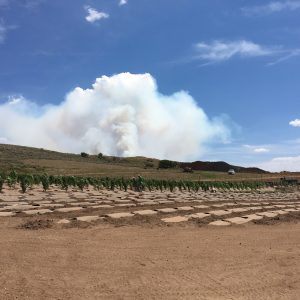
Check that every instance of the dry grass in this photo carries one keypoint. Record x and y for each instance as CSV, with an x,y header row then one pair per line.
x,y
34,160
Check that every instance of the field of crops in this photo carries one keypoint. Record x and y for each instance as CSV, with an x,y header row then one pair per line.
x,y
91,199
26,181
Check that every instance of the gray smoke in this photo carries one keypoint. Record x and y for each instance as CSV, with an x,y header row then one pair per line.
x,y
121,115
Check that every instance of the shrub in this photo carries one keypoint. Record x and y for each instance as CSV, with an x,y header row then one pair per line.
x,y
11,182
25,182
82,183
83,154
138,183
64,183
45,182
167,164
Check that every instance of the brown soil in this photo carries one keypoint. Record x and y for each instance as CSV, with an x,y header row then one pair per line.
x,y
149,262
141,257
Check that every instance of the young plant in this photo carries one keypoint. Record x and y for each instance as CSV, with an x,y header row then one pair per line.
x,y
24,182
45,182
1,183
11,182
82,183
64,183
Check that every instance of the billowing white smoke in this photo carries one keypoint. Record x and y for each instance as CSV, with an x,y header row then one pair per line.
x,y
121,115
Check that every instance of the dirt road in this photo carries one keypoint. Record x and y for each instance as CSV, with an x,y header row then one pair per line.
x,y
152,262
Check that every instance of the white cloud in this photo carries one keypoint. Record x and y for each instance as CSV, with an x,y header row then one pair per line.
x,y
286,56
122,115
271,7
94,15
295,123
4,29
261,150
218,51
123,2
278,164
257,149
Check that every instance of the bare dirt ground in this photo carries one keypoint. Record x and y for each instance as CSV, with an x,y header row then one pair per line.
x,y
150,257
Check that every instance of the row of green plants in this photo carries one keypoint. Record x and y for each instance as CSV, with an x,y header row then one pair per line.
x,y
26,181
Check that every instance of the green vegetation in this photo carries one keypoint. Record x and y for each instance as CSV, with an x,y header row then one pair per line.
x,y
1,183
83,154
25,181
45,182
167,164
138,184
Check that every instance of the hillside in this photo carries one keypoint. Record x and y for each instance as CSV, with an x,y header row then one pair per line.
x,y
220,166
34,160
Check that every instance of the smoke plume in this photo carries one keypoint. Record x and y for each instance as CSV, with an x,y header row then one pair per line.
x,y
121,115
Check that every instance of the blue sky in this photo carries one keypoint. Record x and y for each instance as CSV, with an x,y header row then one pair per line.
x,y
238,59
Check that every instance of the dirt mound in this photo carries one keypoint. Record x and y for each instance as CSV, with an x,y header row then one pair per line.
x,y
37,224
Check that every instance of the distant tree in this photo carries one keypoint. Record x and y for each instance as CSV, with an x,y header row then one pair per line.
x,y
167,164
100,155
83,154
